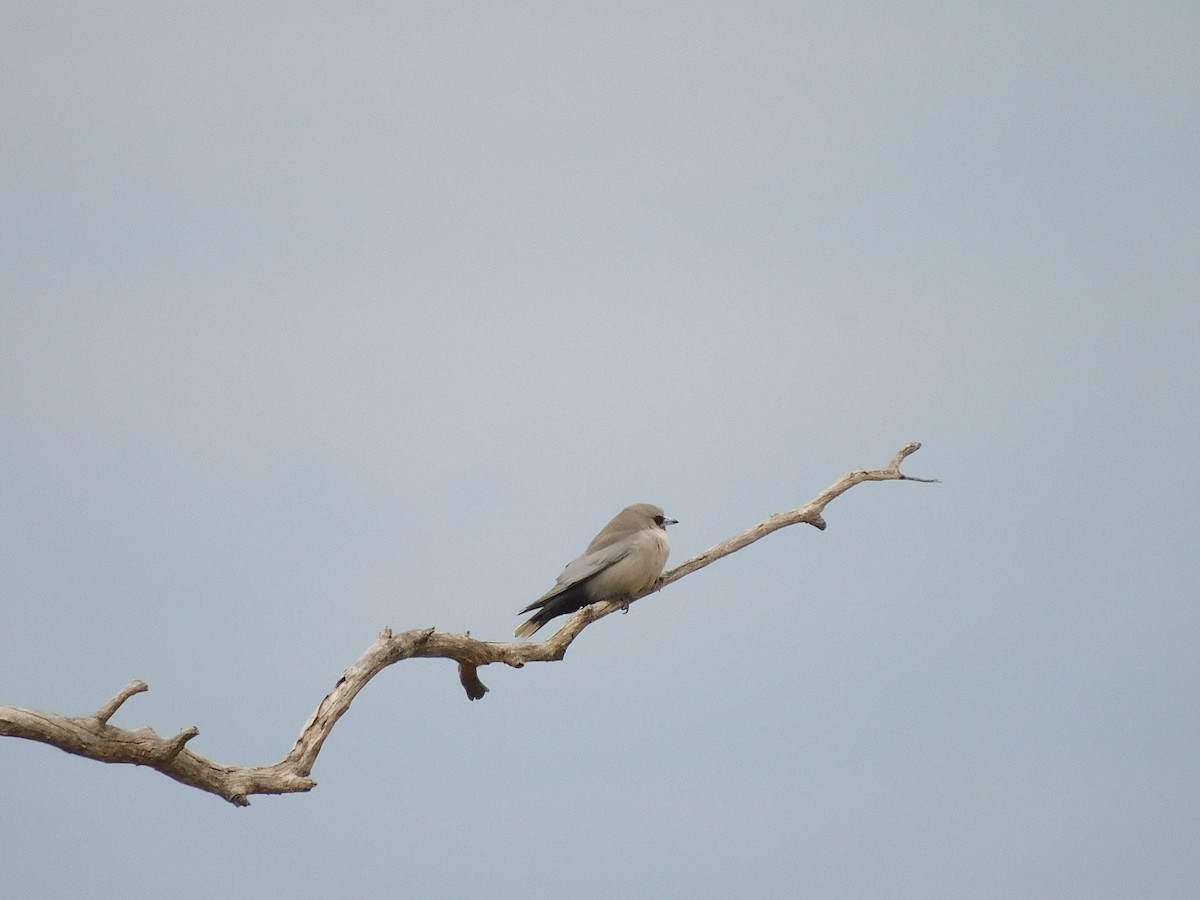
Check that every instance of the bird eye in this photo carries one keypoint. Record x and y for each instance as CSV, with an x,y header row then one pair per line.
x,y
658,520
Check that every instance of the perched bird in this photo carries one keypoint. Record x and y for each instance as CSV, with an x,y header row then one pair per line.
x,y
623,560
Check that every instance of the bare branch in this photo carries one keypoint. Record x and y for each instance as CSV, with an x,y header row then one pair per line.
x,y
95,738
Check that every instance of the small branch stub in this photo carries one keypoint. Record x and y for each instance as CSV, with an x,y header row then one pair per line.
x,y
106,712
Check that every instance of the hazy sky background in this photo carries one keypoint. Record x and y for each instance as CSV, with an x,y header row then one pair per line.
x,y
315,319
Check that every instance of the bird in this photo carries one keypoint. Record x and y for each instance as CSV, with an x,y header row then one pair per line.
x,y
620,563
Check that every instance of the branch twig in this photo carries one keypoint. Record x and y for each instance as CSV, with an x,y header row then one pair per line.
x,y
93,736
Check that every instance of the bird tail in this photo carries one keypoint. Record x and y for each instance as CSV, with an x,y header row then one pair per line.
x,y
558,602
526,629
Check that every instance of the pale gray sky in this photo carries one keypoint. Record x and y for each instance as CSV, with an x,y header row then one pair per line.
x,y
315,319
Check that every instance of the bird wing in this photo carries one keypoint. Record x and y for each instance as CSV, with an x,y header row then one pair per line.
x,y
595,562
583,568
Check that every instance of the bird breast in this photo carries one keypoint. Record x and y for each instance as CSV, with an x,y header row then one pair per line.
x,y
636,572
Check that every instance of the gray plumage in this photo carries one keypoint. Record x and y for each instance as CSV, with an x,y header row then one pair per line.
x,y
621,562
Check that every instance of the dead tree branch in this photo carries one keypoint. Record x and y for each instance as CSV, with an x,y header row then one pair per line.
x,y
95,738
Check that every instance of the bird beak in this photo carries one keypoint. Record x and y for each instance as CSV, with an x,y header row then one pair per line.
x,y
667,522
